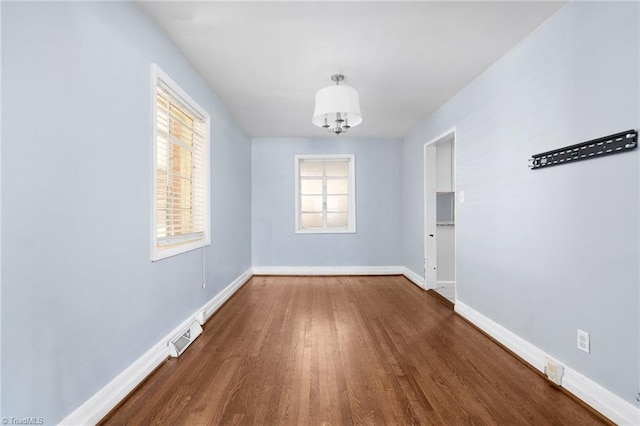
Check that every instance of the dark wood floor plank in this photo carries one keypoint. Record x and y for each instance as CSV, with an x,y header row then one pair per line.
x,y
340,351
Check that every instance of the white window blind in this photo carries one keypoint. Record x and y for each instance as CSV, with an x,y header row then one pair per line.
x,y
325,199
181,172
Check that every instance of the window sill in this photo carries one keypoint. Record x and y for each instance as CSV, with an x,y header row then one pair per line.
x,y
326,231
175,249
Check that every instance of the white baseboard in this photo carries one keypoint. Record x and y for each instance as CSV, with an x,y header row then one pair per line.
x,y
514,343
214,304
340,270
610,405
328,270
99,405
606,402
413,277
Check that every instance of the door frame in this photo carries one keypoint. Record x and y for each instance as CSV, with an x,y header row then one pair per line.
x,y
449,134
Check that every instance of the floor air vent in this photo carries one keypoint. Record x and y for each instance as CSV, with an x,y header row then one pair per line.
x,y
180,343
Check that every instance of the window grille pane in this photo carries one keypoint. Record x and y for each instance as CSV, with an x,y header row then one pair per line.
x,y
337,203
311,186
311,203
337,220
311,220
337,168
337,186
311,168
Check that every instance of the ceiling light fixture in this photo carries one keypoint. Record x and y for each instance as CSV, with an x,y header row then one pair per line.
x,y
337,107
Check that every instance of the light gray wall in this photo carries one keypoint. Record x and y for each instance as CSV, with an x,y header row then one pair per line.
x,y
548,251
81,299
378,203
1,415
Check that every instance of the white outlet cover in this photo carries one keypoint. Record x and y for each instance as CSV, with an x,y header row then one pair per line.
x,y
461,196
583,341
201,317
554,371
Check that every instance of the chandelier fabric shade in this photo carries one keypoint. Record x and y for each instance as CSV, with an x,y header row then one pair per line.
x,y
337,107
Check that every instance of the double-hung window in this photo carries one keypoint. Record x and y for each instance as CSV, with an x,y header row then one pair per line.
x,y
181,170
325,194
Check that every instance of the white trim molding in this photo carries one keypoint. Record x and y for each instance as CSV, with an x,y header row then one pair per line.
x,y
159,79
340,270
604,401
430,283
413,277
100,404
214,304
328,270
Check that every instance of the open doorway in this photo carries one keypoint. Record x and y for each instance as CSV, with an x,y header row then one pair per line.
x,y
439,196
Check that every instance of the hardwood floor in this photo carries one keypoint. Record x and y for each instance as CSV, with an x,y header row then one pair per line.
x,y
344,350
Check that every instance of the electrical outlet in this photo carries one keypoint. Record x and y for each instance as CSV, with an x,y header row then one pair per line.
x,y
554,371
461,196
583,341
201,317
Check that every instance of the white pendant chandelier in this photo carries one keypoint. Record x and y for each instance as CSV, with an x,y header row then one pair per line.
x,y
337,107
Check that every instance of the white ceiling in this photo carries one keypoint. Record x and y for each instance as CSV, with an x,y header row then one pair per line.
x,y
266,60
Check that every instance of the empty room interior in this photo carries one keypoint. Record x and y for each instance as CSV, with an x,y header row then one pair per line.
x,y
301,212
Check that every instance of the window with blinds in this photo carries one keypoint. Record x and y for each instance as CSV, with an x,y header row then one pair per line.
x,y
181,212
325,194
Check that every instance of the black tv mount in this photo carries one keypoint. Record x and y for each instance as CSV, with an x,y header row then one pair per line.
x,y
614,144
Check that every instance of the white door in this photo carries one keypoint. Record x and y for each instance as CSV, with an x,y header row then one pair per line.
x,y
430,248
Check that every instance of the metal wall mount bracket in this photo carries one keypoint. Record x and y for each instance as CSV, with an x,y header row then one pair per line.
x,y
613,144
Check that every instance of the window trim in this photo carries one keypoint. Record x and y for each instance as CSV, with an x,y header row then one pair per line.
x,y
180,247
351,229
